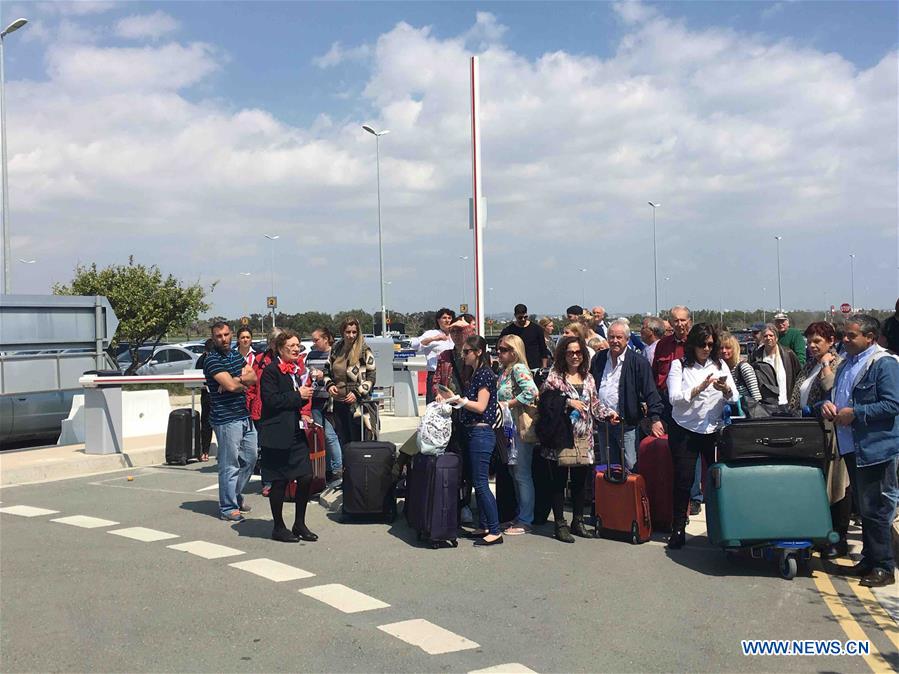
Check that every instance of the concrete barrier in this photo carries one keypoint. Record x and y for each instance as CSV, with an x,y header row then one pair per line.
x,y
143,413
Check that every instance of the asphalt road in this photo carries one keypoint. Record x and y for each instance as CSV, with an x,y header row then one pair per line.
x,y
81,599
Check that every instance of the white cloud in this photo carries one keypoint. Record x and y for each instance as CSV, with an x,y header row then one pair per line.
x,y
739,137
338,54
74,8
146,26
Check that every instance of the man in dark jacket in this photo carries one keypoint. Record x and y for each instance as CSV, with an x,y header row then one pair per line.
x,y
624,383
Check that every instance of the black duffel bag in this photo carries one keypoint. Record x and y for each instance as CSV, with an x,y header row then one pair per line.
x,y
786,438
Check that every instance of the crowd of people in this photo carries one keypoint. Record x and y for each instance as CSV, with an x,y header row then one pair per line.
x,y
598,387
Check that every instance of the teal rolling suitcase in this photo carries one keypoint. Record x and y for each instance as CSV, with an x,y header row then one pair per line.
x,y
758,502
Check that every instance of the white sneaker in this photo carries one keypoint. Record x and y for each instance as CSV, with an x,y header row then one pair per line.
x,y
466,516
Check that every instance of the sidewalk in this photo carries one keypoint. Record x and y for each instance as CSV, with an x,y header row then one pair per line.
x,y
46,464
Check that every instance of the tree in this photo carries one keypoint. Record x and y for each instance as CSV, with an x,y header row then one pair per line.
x,y
147,304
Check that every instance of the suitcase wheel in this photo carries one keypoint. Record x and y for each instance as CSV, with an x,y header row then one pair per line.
x,y
788,566
435,545
597,527
454,543
183,462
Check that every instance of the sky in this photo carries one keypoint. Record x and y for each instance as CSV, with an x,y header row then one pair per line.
x,y
183,132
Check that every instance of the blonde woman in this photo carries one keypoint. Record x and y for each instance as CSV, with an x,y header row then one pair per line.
x,y
741,371
351,379
549,327
775,368
516,390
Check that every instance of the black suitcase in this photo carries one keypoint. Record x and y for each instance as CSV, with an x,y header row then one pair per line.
x,y
432,497
368,487
782,438
182,437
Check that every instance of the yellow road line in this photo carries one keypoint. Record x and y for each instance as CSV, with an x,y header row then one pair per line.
x,y
853,630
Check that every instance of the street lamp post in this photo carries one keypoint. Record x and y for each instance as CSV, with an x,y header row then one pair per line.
x,y
583,286
462,260
852,280
764,304
377,135
780,301
11,28
655,263
666,296
272,238
247,273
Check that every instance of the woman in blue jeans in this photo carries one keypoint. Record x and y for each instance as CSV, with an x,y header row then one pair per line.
x,y
516,390
479,409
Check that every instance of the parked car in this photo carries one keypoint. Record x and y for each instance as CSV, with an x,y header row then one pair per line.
x,y
166,359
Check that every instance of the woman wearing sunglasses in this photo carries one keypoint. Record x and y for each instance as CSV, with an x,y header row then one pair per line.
x,y
698,386
517,391
479,408
570,376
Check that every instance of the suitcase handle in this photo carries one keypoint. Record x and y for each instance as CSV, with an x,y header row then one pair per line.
x,y
778,442
615,473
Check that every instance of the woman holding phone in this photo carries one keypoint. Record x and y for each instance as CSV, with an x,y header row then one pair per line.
x,y
699,384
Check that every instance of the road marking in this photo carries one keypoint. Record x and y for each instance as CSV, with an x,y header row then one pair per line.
x,y
851,628
344,598
508,668
253,478
27,511
431,638
268,568
85,522
143,534
206,550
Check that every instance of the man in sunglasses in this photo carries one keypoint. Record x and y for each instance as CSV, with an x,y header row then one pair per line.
x,y
535,349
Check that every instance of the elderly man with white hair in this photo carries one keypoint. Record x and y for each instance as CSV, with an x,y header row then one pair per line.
x,y
599,319
624,383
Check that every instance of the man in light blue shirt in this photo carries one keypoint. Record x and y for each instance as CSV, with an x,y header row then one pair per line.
x,y
865,412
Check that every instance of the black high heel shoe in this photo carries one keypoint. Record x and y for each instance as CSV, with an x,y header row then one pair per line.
x,y
484,541
284,536
304,534
677,539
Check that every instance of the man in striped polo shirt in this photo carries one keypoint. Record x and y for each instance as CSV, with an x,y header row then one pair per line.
x,y
228,377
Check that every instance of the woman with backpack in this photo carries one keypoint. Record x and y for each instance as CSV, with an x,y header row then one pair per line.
x,y
516,391
569,403
350,381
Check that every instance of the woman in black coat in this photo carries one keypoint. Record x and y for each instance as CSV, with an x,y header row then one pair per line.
x,y
285,453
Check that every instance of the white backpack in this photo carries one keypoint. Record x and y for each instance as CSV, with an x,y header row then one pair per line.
x,y
435,428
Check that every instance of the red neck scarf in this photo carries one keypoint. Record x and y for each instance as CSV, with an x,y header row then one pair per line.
x,y
289,368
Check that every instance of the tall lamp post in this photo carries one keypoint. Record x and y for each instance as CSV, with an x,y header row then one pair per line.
x,y
377,135
11,28
247,273
780,300
462,260
655,263
583,286
852,280
272,238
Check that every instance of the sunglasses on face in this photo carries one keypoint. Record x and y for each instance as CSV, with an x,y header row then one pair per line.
x,y
708,345
504,349
572,354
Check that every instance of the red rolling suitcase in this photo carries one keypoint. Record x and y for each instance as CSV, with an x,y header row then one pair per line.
x,y
655,465
315,437
621,502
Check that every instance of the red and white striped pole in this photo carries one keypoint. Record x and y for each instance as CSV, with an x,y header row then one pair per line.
x,y
477,210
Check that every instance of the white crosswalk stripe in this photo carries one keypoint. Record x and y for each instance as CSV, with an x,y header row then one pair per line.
x,y
143,534
344,598
269,568
253,478
206,550
27,511
85,522
508,668
431,638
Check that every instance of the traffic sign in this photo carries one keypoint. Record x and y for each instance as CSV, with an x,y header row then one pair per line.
x,y
245,320
846,308
272,302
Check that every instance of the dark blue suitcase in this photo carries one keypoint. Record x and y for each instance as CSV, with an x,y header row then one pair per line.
x,y
432,497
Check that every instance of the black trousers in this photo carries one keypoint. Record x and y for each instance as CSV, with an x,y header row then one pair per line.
x,y
578,478
205,426
348,428
685,447
429,394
